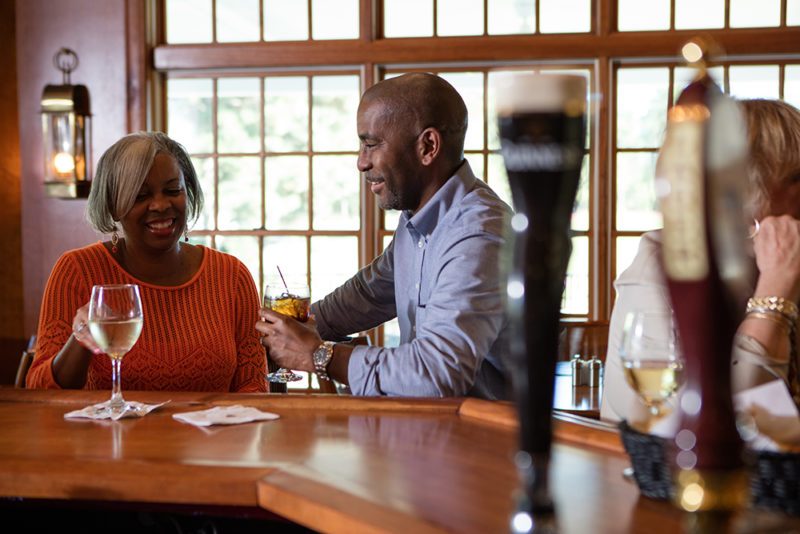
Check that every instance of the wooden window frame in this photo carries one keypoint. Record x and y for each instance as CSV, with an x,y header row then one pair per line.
x,y
149,59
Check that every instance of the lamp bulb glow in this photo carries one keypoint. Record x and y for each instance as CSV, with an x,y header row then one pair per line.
x,y
63,163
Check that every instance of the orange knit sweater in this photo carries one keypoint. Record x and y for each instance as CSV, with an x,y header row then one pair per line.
x,y
199,336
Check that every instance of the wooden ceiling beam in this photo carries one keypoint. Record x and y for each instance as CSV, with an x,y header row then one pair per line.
x,y
761,41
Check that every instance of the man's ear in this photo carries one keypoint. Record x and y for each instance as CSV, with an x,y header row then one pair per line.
x,y
429,145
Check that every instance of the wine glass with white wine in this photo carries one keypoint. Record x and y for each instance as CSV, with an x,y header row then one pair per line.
x,y
651,359
115,321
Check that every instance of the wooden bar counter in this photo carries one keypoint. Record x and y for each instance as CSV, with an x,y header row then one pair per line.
x,y
333,464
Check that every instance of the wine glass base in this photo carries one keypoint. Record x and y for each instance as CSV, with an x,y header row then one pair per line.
x,y
283,376
107,410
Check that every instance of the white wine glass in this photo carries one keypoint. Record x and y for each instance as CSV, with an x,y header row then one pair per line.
x,y
291,300
651,358
115,322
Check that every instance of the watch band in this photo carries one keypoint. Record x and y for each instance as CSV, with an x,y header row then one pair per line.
x,y
322,357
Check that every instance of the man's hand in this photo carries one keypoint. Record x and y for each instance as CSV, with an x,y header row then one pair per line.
x,y
289,343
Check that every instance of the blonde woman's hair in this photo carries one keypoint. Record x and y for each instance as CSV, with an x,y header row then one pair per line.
x,y
122,170
773,135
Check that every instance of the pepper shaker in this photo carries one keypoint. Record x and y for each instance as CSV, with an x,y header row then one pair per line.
x,y
577,366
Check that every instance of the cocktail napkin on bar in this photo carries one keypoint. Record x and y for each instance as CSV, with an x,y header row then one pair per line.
x,y
100,411
225,415
769,408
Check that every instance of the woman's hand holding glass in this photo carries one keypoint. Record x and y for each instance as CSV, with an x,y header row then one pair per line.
x,y
651,359
81,332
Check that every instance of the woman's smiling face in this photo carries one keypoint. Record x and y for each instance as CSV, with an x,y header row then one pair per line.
x,y
158,216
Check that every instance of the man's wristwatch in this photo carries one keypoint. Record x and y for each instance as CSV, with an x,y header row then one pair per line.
x,y
322,357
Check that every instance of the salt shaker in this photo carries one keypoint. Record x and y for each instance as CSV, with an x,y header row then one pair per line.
x,y
595,366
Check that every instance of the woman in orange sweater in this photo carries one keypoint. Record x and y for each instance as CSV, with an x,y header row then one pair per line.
x,y
199,304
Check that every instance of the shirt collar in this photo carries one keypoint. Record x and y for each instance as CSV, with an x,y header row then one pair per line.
x,y
452,191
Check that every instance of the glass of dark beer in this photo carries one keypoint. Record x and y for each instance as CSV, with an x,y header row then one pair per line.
x,y
542,124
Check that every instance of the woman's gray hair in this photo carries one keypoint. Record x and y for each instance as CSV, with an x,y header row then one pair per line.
x,y
122,170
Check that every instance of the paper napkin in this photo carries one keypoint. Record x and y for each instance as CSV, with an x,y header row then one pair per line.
x,y
101,411
225,415
772,413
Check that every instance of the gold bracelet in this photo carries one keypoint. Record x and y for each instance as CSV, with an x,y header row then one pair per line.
x,y
785,313
787,308
774,317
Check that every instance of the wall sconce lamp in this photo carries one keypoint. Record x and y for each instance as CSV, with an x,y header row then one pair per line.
x,y
66,133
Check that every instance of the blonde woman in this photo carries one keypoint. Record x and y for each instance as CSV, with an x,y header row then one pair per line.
x,y
761,347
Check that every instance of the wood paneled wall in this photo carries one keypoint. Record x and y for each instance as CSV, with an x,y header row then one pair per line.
x,y
96,31
12,333
11,320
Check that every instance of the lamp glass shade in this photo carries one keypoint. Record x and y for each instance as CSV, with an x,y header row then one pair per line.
x,y
65,137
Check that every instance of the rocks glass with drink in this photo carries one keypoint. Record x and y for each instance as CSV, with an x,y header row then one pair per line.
x,y
293,301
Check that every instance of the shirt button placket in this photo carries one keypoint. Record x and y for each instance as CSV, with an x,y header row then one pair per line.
x,y
421,245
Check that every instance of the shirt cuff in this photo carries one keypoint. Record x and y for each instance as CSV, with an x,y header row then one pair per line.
x,y
361,375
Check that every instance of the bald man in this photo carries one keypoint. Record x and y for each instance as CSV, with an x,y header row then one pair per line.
x,y
440,275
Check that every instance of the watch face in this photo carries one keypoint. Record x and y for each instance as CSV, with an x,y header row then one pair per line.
x,y
321,355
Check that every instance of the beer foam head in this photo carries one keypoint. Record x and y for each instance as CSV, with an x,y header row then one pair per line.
x,y
525,92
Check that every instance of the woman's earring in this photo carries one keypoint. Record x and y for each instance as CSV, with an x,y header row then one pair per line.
x,y
114,241
186,235
756,228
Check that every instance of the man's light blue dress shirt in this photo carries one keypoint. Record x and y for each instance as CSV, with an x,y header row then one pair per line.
x,y
441,277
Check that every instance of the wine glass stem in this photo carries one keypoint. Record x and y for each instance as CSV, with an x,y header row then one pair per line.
x,y
116,388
